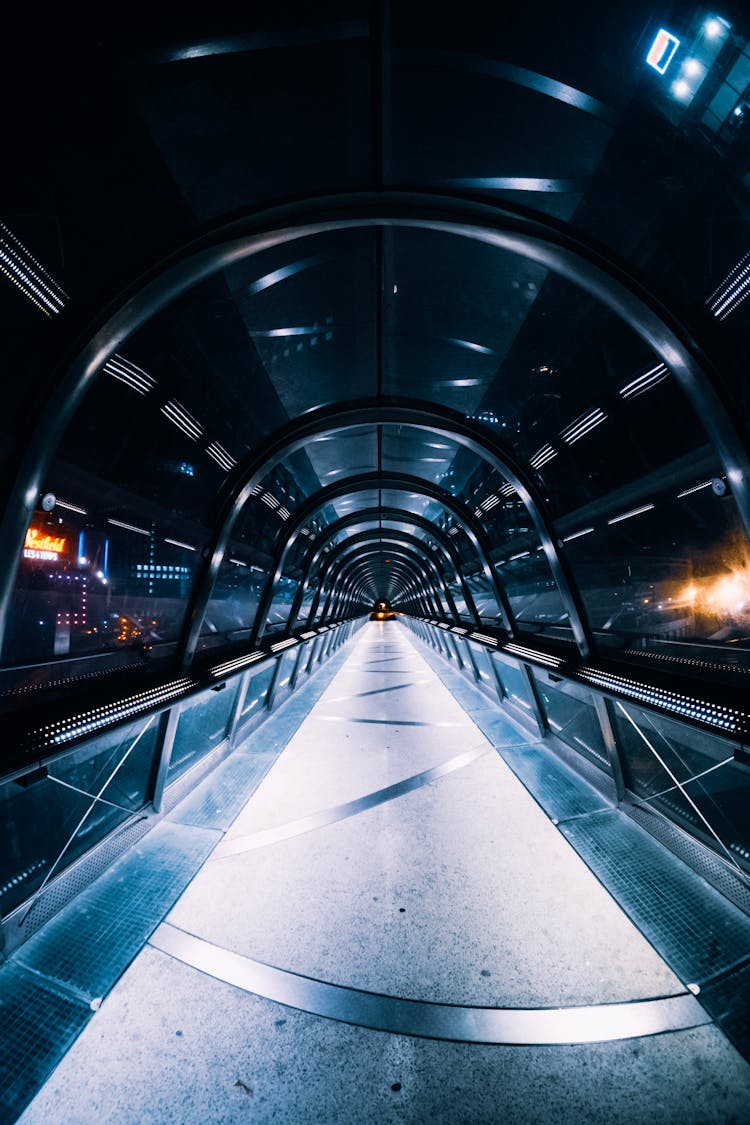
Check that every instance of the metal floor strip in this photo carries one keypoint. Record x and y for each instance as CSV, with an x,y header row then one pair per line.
x,y
591,1023
320,819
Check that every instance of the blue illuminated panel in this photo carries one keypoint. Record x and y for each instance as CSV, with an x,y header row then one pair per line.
x,y
662,50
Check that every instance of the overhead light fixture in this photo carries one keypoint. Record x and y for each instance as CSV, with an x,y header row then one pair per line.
x,y
631,513
583,425
542,456
644,382
578,534
129,527
715,27
126,372
179,417
223,459
177,543
695,488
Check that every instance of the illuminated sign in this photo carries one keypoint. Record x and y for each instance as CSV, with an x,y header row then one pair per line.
x,y
46,548
662,50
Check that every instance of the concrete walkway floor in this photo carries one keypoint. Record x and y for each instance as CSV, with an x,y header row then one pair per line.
x,y
392,930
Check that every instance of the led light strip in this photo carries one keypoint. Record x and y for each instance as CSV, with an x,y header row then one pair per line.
x,y
237,663
483,637
177,543
507,490
695,488
270,500
70,507
453,531
179,417
238,562
66,730
126,372
583,425
684,660
279,645
732,291
645,382
727,718
578,534
219,454
25,272
129,527
542,456
520,555
284,513
631,513
531,654
308,635
459,630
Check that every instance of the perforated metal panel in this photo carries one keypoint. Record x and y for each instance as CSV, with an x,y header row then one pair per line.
x,y
22,923
713,869
698,932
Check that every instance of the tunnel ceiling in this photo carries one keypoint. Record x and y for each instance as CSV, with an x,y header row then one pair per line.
x,y
349,303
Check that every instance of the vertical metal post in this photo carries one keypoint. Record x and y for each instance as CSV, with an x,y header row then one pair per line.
x,y
165,742
271,693
609,737
239,703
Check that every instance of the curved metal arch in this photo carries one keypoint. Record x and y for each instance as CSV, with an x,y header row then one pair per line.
x,y
506,227
397,550
415,550
363,412
356,584
407,586
405,562
427,591
396,482
397,515
391,514
357,587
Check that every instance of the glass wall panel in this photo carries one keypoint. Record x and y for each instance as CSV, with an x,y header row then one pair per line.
x,y
233,604
690,776
533,594
202,726
50,822
514,683
257,690
91,583
572,716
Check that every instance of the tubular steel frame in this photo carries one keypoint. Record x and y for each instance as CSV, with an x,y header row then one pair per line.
x,y
511,229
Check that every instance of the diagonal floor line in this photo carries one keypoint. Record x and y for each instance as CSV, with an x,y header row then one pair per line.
x,y
375,691
427,1019
240,844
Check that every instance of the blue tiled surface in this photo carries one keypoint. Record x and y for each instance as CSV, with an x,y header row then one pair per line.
x,y
219,799
697,931
560,792
38,1025
90,943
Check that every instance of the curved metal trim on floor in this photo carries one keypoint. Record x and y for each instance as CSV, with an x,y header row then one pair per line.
x,y
590,1023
